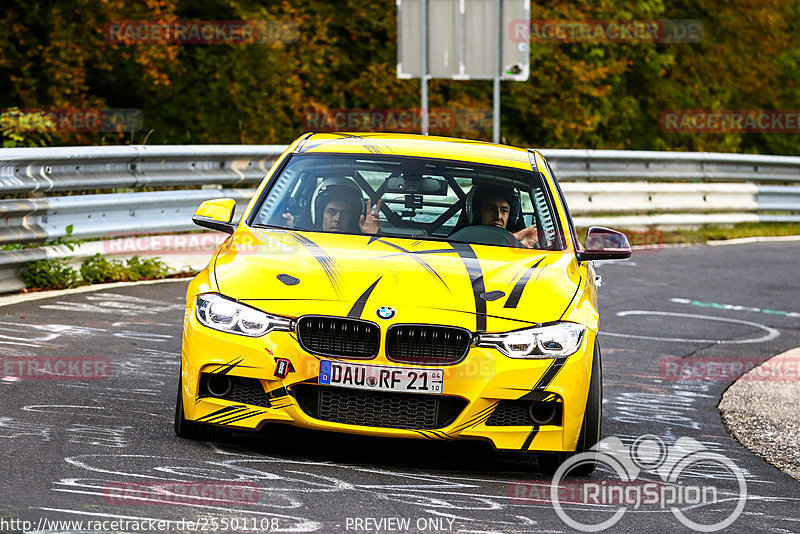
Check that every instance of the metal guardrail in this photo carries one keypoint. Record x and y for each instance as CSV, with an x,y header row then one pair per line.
x,y
608,187
93,216
29,170
626,165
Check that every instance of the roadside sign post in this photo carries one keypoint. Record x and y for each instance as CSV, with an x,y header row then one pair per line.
x,y
462,40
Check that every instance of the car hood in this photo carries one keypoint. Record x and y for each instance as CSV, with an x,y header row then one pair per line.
x,y
479,287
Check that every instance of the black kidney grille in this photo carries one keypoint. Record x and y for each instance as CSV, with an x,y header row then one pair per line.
x,y
427,344
378,408
338,336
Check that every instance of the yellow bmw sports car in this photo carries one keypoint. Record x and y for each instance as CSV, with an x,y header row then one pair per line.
x,y
400,285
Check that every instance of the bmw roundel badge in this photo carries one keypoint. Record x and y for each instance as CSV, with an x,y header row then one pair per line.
x,y
385,312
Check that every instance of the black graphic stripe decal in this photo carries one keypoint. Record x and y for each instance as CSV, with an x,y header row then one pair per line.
x,y
421,433
547,377
577,290
473,266
318,143
230,418
485,412
519,287
226,368
224,412
476,422
523,321
326,262
363,142
241,417
551,373
358,308
279,392
371,145
425,265
530,437
535,395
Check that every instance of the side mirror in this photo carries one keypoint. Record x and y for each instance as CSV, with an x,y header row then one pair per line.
x,y
216,214
604,244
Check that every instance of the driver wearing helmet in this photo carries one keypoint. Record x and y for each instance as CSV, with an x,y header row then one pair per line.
x,y
500,207
337,207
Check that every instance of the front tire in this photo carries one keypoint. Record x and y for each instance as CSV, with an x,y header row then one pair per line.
x,y
183,427
591,429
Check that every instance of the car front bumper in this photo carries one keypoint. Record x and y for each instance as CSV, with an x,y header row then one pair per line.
x,y
481,382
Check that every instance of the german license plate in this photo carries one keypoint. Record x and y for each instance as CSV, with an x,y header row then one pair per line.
x,y
380,377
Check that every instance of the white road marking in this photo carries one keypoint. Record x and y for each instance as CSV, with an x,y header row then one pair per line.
x,y
771,333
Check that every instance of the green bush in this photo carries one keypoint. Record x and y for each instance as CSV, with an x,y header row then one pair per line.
x,y
57,274
98,270
50,274
149,268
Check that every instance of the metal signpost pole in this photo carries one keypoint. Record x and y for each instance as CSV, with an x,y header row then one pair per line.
x,y
497,72
462,40
424,74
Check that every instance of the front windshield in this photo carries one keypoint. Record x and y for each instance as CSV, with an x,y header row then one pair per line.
x,y
412,197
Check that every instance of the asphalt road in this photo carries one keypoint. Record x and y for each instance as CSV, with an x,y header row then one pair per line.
x,y
69,447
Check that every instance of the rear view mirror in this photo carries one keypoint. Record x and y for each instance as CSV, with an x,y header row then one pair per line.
x,y
216,214
604,244
420,186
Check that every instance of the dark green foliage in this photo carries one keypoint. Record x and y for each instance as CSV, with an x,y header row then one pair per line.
x,y
148,268
343,55
50,274
98,270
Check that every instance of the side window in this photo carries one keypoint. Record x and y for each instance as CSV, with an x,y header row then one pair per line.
x,y
544,218
572,232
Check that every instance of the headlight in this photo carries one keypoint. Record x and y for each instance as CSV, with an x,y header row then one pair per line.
x,y
226,315
554,341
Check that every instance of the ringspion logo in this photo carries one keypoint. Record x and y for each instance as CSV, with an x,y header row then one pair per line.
x,y
649,475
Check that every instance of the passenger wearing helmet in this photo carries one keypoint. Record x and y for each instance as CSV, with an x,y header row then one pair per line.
x,y
500,207
337,206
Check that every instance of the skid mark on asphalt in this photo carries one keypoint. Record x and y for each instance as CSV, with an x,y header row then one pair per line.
x,y
83,434
283,484
43,335
10,428
116,304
